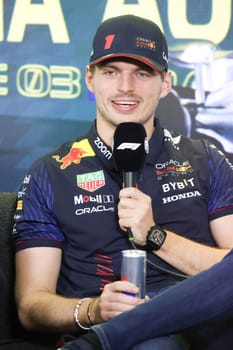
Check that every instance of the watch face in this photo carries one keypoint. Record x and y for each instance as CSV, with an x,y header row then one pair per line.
x,y
157,237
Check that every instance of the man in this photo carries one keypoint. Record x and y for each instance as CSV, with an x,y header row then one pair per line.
x,y
73,215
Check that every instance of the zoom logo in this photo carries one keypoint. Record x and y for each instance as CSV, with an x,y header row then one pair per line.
x,y
39,81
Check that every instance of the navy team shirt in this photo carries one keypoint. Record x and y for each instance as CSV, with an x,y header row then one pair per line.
x,y
69,197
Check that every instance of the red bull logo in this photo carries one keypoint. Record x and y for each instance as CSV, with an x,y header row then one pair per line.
x,y
78,151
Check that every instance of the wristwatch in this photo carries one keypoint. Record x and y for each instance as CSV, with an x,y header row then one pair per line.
x,y
155,238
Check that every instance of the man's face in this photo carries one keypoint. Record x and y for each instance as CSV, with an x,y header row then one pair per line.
x,y
125,91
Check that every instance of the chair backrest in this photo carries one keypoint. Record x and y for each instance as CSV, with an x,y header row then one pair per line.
x,y
8,316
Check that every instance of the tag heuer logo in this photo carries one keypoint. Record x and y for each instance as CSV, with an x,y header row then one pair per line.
x,y
91,181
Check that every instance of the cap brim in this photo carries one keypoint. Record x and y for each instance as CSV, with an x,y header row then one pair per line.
x,y
153,65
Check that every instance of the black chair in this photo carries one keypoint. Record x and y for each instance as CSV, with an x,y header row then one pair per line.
x,y
9,325
12,334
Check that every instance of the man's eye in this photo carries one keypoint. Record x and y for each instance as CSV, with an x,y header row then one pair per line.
x,y
109,72
143,74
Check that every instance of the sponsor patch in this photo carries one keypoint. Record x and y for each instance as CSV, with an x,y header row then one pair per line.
x,y
91,181
77,151
19,205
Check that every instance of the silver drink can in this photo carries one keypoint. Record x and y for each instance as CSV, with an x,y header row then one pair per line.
x,y
133,269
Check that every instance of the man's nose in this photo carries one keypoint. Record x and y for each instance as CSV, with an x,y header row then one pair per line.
x,y
126,83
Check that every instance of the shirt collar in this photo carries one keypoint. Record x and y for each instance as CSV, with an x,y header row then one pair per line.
x,y
102,150
155,143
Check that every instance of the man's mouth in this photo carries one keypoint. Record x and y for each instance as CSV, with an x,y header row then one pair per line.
x,y
125,103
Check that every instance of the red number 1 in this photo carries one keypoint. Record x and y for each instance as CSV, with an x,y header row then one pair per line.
x,y
108,41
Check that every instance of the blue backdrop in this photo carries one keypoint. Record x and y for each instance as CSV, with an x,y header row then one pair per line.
x,y
45,46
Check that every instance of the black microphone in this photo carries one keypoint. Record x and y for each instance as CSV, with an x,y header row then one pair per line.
x,y
130,147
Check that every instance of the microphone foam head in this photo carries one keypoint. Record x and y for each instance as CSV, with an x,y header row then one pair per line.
x,y
130,146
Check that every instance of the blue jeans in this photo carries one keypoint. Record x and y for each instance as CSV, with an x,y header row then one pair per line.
x,y
202,300
161,343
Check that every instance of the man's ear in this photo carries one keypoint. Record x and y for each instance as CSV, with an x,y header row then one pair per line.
x,y
167,84
89,79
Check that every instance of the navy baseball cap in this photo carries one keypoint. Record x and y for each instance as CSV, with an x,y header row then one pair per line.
x,y
133,37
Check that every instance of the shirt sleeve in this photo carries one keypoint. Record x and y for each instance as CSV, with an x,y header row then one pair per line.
x,y
221,183
35,223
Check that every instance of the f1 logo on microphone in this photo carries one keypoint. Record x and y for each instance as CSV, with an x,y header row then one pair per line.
x,y
129,145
